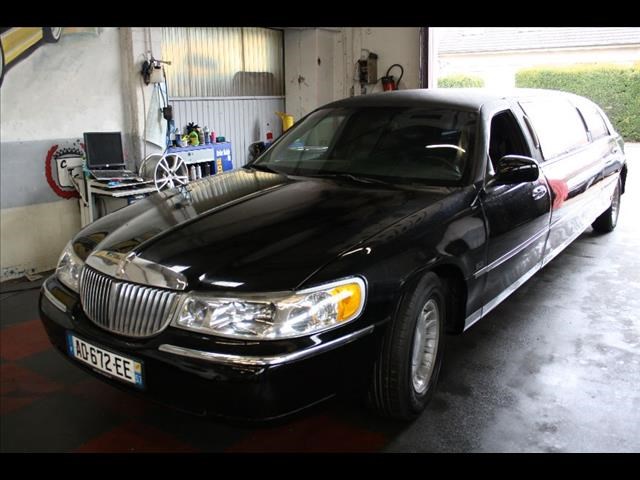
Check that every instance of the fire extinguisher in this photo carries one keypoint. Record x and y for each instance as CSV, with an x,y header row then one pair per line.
x,y
388,83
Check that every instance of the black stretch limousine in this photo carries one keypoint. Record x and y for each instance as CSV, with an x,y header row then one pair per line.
x,y
340,257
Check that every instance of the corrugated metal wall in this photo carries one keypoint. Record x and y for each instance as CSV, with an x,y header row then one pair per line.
x,y
229,79
223,61
241,120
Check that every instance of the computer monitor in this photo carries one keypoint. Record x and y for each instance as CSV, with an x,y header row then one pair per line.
x,y
104,150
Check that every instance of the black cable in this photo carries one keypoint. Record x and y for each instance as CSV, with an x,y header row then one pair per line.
x,y
166,84
169,121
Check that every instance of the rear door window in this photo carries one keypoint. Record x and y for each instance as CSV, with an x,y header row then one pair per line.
x,y
558,126
595,123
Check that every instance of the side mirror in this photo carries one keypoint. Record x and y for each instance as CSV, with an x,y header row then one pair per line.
x,y
516,169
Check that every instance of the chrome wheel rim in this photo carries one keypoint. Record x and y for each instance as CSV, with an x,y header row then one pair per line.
x,y
56,32
615,205
171,171
425,346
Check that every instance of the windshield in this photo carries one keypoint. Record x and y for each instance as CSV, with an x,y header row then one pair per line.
x,y
431,145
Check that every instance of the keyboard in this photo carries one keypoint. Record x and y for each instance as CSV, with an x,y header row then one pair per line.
x,y
113,174
124,183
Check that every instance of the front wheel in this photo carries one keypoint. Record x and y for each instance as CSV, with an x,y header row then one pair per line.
x,y
406,371
51,34
606,222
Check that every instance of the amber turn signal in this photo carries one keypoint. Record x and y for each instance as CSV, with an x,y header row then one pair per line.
x,y
348,300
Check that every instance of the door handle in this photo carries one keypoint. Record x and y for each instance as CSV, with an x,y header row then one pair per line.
x,y
539,192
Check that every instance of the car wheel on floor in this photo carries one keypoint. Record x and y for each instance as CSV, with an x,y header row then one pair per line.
x,y
51,34
606,222
406,371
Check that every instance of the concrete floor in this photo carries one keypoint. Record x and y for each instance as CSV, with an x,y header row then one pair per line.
x,y
554,368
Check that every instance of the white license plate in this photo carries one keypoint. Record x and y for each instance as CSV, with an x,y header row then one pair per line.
x,y
109,363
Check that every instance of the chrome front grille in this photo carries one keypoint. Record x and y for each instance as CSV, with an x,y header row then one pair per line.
x,y
126,308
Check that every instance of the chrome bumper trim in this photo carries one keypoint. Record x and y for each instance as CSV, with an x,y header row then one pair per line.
x,y
243,360
52,298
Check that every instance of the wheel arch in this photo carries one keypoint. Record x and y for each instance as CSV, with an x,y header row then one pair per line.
x,y
623,178
456,289
456,295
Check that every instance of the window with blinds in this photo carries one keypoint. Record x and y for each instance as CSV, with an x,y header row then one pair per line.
x,y
223,61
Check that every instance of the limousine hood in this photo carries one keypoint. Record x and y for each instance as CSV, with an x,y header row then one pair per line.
x,y
254,230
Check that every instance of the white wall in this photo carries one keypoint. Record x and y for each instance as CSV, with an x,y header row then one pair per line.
x,y
63,88
499,69
302,49
32,236
51,96
393,45
310,83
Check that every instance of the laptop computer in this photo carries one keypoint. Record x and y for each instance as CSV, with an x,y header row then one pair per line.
x,y
105,160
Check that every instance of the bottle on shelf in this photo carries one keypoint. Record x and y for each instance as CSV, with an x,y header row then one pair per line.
x,y
192,172
198,171
207,138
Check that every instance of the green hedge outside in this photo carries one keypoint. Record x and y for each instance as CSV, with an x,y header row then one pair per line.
x,y
460,81
616,89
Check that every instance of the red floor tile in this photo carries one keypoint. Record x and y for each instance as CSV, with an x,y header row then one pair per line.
x,y
20,386
111,398
22,340
11,404
135,437
315,434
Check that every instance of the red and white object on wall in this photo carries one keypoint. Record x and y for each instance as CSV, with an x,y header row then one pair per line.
x,y
60,163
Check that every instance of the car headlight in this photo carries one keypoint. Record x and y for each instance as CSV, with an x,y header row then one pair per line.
x,y
69,268
272,317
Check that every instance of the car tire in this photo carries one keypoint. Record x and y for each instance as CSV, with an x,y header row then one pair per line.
x,y
606,222
406,371
51,34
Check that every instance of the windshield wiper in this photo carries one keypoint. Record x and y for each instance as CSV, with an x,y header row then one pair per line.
x,y
263,168
352,176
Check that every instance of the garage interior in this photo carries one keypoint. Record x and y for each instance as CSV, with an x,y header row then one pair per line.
x,y
554,368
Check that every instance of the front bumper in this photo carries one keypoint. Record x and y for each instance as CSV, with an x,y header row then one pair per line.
x,y
208,376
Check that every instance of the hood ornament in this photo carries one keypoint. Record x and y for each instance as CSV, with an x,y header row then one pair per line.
x,y
122,265
130,267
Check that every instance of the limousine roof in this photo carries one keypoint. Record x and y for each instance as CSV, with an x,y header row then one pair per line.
x,y
465,98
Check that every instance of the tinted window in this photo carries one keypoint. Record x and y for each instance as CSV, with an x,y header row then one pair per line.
x,y
427,145
506,138
595,122
558,125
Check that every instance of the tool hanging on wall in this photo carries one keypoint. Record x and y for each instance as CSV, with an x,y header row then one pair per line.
x,y
152,70
367,70
388,82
